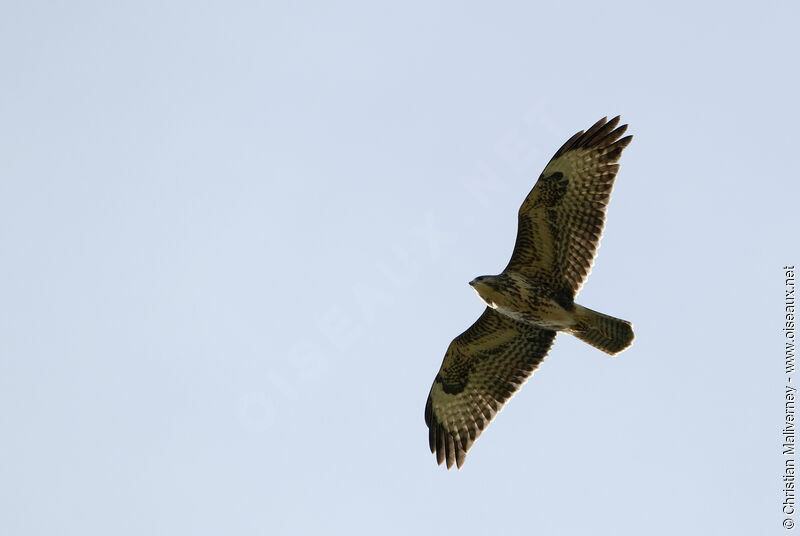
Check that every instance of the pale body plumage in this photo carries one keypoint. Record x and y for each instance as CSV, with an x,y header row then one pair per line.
x,y
513,295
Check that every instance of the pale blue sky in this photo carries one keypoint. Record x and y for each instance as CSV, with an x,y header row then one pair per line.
x,y
235,241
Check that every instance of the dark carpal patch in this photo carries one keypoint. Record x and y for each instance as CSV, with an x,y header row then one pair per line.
x,y
553,187
454,377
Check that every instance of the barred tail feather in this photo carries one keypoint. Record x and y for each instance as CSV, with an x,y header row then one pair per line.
x,y
604,332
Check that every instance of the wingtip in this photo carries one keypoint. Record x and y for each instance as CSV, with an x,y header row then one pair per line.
x,y
602,132
428,412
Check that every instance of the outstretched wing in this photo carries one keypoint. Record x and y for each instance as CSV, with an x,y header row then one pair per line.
x,y
482,369
561,220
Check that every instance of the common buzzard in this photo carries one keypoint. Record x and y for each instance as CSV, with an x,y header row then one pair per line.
x,y
558,232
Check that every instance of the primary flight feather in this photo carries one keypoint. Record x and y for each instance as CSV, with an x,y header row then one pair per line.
x,y
558,231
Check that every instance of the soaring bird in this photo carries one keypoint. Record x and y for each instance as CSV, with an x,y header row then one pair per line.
x,y
558,231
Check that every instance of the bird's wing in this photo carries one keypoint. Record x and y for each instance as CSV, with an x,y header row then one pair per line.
x,y
561,220
482,369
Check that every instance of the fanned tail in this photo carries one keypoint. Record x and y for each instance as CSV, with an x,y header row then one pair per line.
x,y
604,332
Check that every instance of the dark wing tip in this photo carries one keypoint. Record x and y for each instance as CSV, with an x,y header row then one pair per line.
x,y
447,447
601,135
450,450
624,142
428,412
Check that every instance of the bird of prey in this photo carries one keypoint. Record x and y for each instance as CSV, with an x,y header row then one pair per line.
x,y
558,231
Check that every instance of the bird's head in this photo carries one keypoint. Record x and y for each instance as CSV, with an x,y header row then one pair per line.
x,y
486,288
